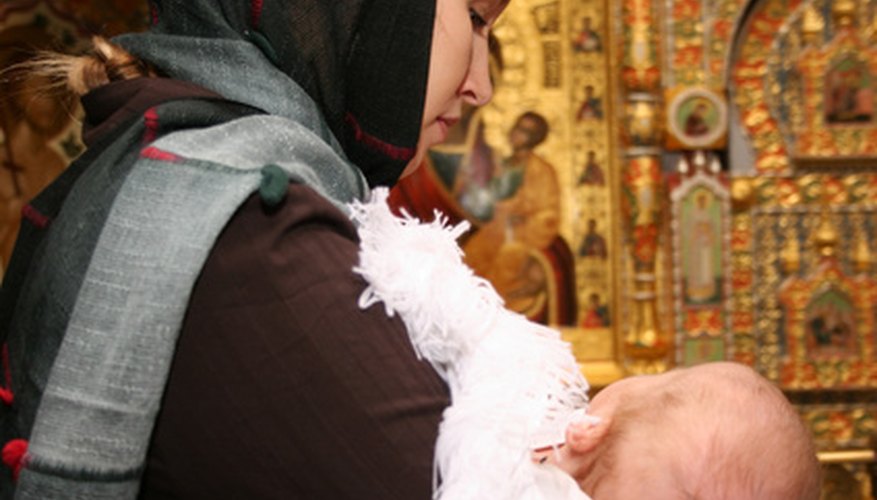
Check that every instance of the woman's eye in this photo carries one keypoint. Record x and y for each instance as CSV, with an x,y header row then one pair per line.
x,y
478,21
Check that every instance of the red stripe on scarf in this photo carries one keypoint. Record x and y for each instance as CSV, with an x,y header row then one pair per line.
x,y
150,121
34,216
6,391
153,153
255,13
394,152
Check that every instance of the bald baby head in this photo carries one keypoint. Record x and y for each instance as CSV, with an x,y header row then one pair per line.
x,y
715,431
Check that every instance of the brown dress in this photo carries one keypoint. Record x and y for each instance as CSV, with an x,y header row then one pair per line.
x,y
281,387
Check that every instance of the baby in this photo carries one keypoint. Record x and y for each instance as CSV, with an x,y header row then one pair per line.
x,y
716,431
712,432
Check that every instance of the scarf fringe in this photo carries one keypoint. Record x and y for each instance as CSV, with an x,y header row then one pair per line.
x,y
515,385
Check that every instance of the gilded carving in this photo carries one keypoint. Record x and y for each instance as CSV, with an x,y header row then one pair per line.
x,y
840,426
641,187
847,479
687,43
748,74
552,69
742,194
817,59
720,33
592,224
640,70
641,120
792,240
828,320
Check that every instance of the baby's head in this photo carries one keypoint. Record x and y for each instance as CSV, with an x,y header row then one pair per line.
x,y
715,431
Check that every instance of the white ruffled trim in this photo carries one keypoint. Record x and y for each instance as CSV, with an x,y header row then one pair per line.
x,y
514,384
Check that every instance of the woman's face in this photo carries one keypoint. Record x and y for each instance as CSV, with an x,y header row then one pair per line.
x,y
458,68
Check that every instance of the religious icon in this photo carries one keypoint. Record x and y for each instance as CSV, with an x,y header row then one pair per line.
x,y
593,244
592,106
702,247
695,122
696,119
512,202
830,325
587,39
517,245
592,175
704,349
597,313
849,97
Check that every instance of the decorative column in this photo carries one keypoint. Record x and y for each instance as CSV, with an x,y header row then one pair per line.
x,y
645,348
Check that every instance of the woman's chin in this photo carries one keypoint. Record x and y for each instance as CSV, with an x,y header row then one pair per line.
x,y
414,164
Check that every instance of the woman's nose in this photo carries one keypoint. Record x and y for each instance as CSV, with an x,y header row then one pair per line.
x,y
477,88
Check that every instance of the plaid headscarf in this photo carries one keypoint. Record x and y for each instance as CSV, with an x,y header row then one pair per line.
x,y
364,62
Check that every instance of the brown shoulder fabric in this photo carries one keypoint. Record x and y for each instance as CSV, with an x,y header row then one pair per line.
x,y
281,387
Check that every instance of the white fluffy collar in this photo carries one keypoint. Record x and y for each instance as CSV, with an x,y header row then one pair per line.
x,y
514,384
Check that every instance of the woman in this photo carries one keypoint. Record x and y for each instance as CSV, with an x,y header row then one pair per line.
x,y
197,260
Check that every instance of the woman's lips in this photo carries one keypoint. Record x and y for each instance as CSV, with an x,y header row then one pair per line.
x,y
446,123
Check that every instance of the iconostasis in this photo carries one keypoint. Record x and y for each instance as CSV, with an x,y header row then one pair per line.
x,y
672,183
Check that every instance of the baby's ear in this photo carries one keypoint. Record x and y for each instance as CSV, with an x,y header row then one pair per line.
x,y
577,456
583,437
